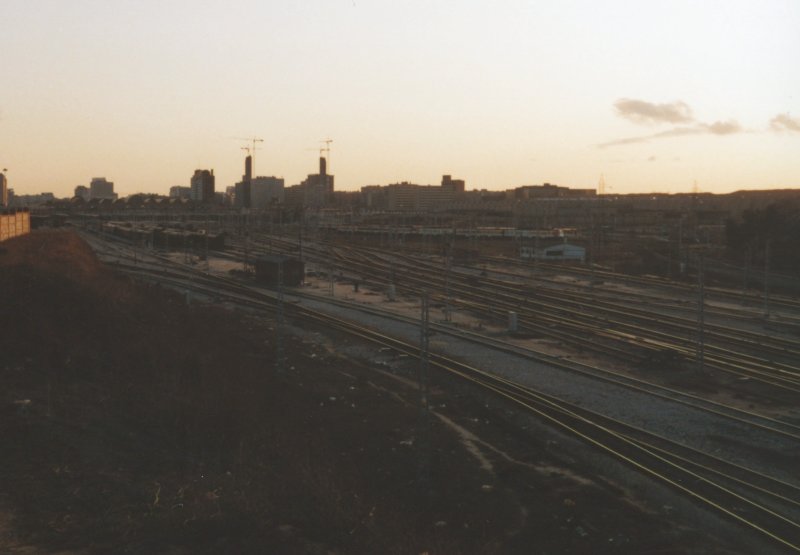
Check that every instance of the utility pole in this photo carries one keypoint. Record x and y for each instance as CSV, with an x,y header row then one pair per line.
x,y
208,264
700,313
246,264
279,362
748,260
592,247
423,431
331,271
300,234
447,292
681,264
766,279
424,348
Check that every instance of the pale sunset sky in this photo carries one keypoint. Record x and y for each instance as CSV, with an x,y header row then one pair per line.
x,y
652,95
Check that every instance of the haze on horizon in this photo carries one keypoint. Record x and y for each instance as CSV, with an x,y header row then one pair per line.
x,y
653,95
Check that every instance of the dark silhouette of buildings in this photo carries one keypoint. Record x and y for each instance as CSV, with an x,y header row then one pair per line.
x,y
454,185
3,190
241,196
202,186
179,191
408,197
316,191
100,188
265,191
82,192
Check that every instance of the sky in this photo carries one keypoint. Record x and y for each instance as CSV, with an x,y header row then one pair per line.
x,y
652,96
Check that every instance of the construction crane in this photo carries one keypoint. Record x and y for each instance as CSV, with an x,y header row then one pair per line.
x,y
327,150
251,150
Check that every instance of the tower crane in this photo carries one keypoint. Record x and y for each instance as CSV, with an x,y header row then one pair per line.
x,y
251,150
327,150
320,149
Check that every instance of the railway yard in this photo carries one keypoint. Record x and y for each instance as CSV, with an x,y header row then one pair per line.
x,y
680,397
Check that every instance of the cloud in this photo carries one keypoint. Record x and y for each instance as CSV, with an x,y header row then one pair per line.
x,y
627,141
674,132
723,127
784,122
651,159
639,111
717,128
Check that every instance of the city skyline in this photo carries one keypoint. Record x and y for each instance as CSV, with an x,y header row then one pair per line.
x,y
655,96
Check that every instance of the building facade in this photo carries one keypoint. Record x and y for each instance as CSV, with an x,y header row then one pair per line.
x,y
202,186
14,223
316,191
179,191
100,188
265,191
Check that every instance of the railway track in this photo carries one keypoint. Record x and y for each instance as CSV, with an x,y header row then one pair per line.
x,y
671,286
756,501
614,329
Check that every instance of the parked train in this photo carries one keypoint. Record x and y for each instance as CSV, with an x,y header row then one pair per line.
x,y
166,237
477,232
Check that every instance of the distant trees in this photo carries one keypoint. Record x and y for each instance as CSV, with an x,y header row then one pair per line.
x,y
778,225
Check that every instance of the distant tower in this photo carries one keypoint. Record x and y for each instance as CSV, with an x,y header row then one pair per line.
x,y
3,190
323,166
601,186
695,187
241,195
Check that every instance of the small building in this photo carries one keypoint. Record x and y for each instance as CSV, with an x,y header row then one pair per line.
x,y
559,251
267,268
14,223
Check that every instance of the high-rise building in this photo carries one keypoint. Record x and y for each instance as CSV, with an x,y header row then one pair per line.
x,y
265,190
3,190
317,189
202,186
100,188
241,197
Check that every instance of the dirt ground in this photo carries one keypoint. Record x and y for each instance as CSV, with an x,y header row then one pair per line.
x,y
132,423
